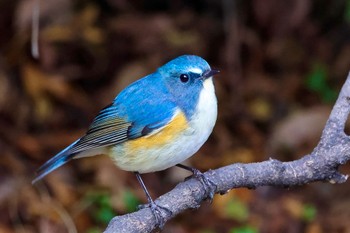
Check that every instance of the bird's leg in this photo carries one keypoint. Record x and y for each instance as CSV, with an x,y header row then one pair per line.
x,y
209,185
156,209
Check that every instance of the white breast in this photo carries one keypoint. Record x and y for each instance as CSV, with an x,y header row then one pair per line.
x,y
203,121
184,146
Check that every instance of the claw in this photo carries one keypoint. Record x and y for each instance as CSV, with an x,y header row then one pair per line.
x,y
157,213
209,186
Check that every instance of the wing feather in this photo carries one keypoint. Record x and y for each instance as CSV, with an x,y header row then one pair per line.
x,y
103,133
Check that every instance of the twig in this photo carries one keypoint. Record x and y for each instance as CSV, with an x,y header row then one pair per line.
x,y
322,164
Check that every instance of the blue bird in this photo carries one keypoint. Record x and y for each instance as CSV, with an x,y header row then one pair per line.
x,y
155,123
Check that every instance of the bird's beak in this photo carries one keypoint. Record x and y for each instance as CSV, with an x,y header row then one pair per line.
x,y
210,73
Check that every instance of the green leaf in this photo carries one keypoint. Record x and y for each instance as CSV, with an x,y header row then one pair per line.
x,y
317,81
309,212
329,95
236,209
244,229
347,12
94,230
102,210
104,214
131,201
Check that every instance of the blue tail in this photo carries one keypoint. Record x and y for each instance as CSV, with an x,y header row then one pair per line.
x,y
58,160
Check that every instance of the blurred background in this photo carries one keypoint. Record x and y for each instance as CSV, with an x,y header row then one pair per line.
x,y
282,65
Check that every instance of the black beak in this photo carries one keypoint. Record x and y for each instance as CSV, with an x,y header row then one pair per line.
x,y
209,73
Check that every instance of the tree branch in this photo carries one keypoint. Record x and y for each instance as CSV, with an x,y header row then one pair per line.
x,y
321,165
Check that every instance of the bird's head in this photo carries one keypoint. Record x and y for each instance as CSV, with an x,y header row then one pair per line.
x,y
186,77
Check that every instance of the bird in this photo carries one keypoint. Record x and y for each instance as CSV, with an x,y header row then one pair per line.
x,y
155,123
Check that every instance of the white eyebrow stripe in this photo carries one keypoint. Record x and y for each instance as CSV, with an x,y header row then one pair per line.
x,y
195,70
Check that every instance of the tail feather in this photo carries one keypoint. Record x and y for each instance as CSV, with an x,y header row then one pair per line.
x,y
58,160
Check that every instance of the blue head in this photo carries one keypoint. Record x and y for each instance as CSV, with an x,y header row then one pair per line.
x,y
185,78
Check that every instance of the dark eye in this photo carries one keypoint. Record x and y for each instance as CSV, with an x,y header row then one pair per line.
x,y
184,78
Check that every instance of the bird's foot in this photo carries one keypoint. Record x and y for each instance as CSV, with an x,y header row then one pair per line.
x,y
157,213
209,186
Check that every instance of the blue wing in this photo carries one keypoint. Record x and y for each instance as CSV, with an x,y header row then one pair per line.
x,y
142,107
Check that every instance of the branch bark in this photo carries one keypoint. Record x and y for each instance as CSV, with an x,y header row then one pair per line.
x,y
321,164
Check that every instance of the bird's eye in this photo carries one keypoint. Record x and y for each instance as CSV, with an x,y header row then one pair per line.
x,y
184,78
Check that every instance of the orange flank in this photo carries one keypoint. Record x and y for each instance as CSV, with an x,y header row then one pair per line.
x,y
165,135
